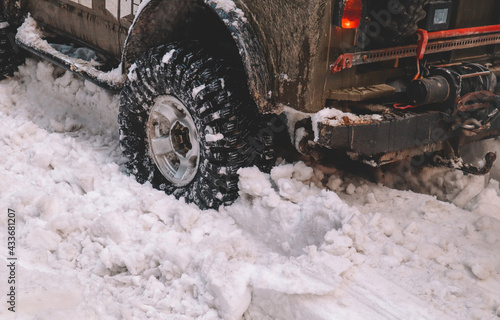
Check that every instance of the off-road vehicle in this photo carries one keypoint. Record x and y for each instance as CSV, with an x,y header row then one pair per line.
x,y
378,81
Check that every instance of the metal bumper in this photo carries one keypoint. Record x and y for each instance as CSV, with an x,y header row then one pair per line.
x,y
403,135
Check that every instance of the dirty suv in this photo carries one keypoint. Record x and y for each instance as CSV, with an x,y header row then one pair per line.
x,y
375,81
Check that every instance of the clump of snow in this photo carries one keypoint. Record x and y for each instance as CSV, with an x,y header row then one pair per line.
x,y
197,90
284,77
132,75
228,6
115,75
328,116
213,137
166,58
281,217
293,116
29,32
299,243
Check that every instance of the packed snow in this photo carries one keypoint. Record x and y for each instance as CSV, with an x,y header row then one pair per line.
x,y
300,243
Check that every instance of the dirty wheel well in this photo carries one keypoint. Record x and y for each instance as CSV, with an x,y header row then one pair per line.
x,y
182,21
208,29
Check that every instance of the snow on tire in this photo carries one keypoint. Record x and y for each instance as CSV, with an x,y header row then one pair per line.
x,y
187,125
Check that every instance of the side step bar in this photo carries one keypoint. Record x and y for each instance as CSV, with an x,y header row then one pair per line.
x,y
30,38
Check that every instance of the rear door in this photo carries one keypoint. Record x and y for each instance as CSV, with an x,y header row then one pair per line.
x,y
100,24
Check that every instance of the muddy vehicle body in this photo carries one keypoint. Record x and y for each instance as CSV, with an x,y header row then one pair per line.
x,y
380,81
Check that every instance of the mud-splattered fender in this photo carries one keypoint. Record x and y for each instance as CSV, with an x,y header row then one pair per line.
x,y
158,22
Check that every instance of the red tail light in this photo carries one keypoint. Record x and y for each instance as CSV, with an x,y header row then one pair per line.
x,y
352,14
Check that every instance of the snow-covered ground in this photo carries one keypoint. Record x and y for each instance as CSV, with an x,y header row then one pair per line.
x,y
300,243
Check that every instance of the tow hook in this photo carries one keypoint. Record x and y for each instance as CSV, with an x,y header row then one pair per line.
x,y
458,163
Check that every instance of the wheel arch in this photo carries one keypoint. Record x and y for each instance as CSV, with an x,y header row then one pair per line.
x,y
159,21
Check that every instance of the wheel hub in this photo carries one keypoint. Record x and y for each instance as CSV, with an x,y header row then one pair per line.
x,y
173,140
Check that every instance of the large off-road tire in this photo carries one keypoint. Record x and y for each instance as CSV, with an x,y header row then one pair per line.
x,y
187,124
10,55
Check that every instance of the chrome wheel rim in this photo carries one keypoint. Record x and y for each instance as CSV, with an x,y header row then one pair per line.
x,y
173,140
